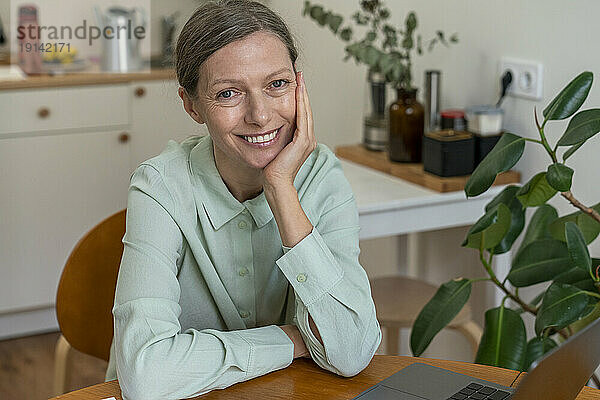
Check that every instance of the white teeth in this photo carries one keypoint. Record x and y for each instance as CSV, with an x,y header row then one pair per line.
x,y
261,139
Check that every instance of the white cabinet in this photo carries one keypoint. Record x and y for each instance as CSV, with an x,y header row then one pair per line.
x,y
66,156
52,190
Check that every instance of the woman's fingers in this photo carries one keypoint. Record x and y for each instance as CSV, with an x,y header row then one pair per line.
x,y
309,117
300,106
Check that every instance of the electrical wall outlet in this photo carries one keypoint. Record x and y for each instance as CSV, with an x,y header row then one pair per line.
x,y
527,78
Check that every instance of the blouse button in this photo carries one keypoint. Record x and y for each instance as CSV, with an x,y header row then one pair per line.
x,y
242,224
301,278
244,314
243,271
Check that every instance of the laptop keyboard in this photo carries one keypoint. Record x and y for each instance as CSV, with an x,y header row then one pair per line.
x,y
480,392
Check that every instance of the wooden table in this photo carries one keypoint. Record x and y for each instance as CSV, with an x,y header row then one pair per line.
x,y
380,161
305,380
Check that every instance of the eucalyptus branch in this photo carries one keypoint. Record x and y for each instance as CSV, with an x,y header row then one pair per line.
x,y
494,279
576,203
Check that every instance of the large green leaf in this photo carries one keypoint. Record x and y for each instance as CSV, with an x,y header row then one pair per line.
x,y
447,302
538,225
582,126
568,101
587,319
517,220
576,277
572,150
559,176
577,248
536,192
503,157
490,229
504,341
563,304
579,277
589,227
536,348
539,261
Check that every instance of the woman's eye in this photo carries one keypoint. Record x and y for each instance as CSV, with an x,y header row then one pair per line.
x,y
282,83
222,94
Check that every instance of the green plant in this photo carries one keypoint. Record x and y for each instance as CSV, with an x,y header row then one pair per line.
x,y
392,55
553,249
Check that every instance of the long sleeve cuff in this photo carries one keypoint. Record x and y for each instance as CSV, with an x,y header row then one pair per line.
x,y
310,267
270,349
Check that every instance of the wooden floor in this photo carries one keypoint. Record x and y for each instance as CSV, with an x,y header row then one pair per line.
x,y
27,368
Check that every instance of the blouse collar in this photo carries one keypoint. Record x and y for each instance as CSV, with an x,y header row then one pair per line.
x,y
212,195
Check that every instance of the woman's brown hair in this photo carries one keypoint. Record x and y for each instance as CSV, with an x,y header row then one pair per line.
x,y
214,25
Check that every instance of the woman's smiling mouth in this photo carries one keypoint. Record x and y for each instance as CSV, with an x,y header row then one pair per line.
x,y
262,140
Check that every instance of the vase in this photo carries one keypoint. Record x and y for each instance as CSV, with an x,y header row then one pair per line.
x,y
375,121
406,125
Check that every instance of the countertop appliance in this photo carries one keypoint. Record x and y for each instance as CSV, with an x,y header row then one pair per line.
x,y
121,52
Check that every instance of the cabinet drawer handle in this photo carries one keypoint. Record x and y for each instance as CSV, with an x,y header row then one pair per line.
x,y
43,112
124,137
140,92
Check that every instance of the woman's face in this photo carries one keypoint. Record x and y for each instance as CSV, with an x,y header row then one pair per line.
x,y
247,89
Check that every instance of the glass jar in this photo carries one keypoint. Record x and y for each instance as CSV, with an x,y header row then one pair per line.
x,y
407,119
375,121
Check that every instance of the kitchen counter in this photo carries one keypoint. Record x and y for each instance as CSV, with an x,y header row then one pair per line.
x,y
93,76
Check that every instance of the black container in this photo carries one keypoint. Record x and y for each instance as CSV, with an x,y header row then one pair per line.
x,y
483,145
448,153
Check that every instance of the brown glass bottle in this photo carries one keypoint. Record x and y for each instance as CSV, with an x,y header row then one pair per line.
x,y
407,119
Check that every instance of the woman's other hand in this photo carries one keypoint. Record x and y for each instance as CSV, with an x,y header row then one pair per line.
x,y
283,169
293,333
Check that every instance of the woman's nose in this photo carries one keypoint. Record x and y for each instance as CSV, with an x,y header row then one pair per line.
x,y
258,109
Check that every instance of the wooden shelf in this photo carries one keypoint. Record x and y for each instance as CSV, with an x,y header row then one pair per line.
x,y
92,76
414,173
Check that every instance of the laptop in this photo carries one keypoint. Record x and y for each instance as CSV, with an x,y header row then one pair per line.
x,y
560,375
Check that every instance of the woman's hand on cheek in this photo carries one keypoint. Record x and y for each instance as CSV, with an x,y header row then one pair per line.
x,y
283,169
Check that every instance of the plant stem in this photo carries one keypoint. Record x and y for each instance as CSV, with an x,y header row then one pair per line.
x,y
480,279
533,140
494,279
588,210
591,293
546,145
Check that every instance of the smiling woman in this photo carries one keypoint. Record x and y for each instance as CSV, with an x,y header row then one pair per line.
x,y
241,248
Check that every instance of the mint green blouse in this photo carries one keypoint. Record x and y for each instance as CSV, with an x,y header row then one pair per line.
x,y
204,280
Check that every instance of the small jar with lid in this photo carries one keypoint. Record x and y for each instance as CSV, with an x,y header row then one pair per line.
x,y
453,119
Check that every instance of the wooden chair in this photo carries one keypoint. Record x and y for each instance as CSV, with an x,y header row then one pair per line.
x,y
85,295
398,301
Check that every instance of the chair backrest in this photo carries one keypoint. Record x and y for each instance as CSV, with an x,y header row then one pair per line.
x,y
86,290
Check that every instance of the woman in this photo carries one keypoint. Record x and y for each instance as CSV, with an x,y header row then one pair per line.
x,y
241,248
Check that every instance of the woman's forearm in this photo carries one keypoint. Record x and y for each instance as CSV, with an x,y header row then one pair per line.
x,y
292,222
